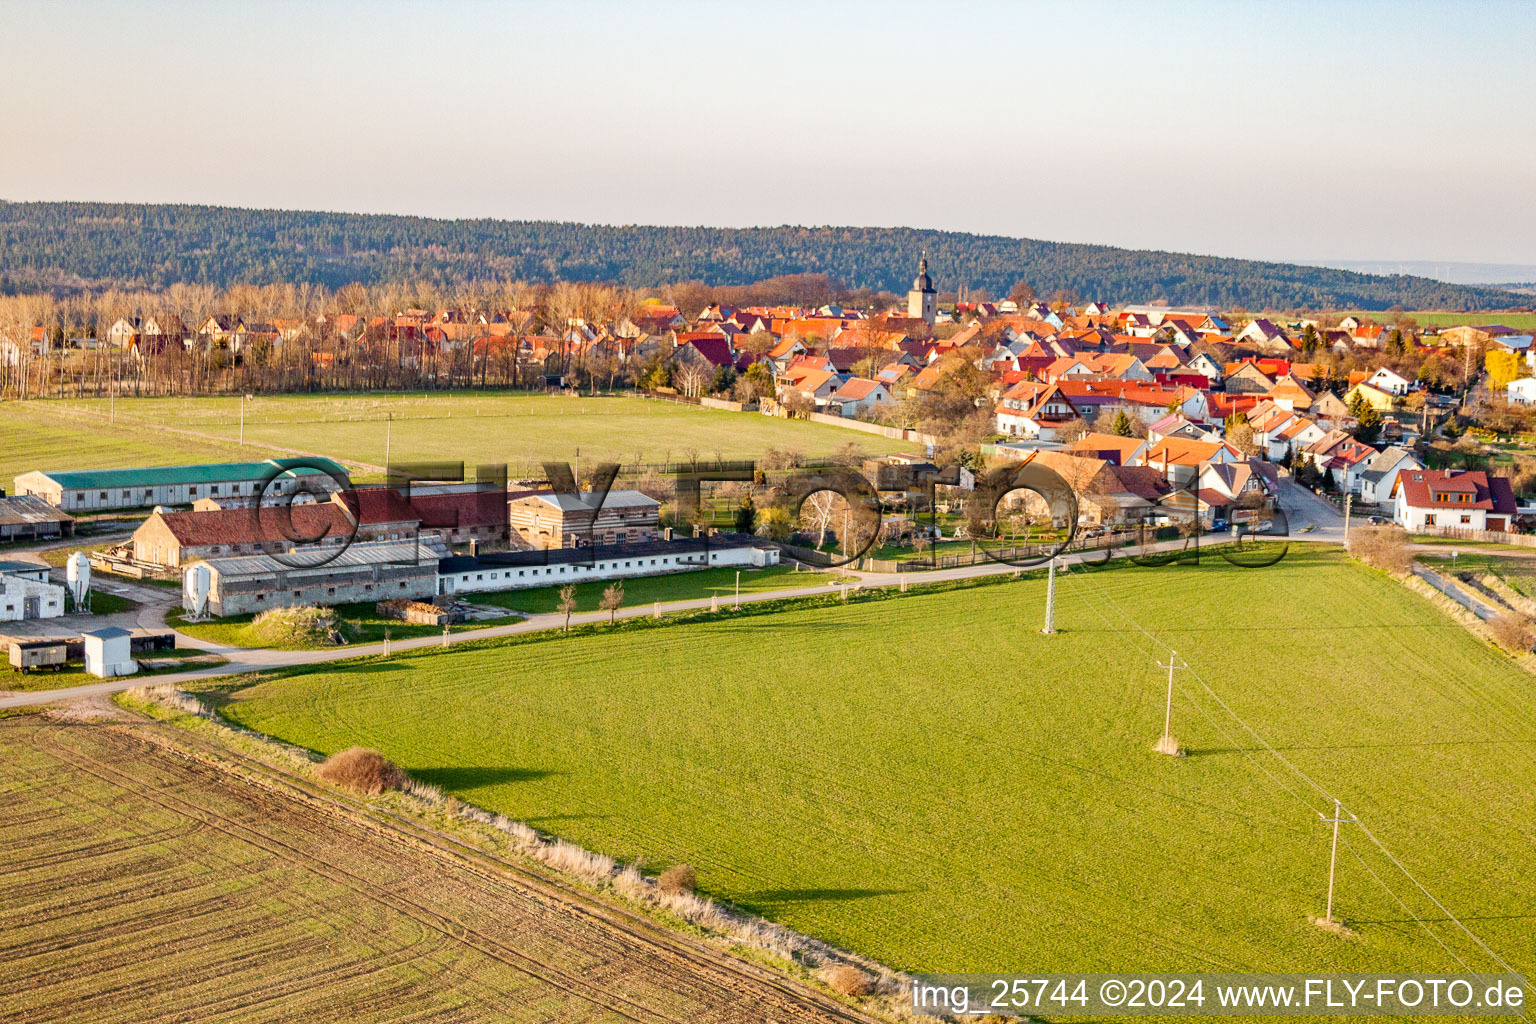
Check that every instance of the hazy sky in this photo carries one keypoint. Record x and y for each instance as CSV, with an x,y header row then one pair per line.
x,y
1275,130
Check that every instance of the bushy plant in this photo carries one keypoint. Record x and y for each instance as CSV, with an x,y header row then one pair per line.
x,y
363,771
1383,547
678,878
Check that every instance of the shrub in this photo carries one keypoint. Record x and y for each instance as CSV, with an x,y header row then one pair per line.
x,y
678,878
847,980
362,771
294,627
1383,547
1513,632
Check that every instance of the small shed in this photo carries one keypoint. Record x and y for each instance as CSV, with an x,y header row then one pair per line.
x,y
108,652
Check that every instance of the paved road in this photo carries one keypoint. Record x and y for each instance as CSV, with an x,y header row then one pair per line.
x,y
1303,509
1453,590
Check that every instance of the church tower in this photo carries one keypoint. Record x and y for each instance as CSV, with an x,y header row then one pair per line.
x,y
922,300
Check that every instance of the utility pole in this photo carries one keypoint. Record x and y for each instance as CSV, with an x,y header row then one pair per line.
x,y
1348,502
1050,599
1333,857
738,588
241,401
389,428
1167,744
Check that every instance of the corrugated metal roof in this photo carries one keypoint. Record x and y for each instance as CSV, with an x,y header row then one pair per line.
x,y
25,509
613,499
159,476
387,553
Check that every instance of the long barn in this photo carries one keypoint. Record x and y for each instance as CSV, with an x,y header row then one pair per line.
x,y
90,490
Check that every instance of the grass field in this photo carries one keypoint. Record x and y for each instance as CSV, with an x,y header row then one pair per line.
x,y
928,780
1436,318
520,430
143,886
683,586
46,436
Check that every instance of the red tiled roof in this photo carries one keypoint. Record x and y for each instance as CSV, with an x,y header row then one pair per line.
x,y
1493,494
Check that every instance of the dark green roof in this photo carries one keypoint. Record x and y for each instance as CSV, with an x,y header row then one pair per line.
x,y
203,473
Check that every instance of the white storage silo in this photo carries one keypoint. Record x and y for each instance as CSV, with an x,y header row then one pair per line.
x,y
78,572
196,581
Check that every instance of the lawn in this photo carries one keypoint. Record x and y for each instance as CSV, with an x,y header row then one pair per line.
x,y
522,431
929,780
682,586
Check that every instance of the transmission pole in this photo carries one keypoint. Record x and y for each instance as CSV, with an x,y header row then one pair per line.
x,y
1050,599
1333,857
1167,745
1348,501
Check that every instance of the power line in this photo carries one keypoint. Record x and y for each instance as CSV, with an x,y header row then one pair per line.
x,y
1324,792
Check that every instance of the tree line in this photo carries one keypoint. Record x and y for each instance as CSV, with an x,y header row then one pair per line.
x,y
93,246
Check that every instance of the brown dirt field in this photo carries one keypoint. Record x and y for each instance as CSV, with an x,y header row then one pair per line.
x,y
139,884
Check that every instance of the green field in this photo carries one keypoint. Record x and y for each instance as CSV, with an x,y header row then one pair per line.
x,y
927,779
520,430
682,586
1439,318
47,436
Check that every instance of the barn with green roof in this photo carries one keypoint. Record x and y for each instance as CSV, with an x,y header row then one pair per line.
x,y
91,490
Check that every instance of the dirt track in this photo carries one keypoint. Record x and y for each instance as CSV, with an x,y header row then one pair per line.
x,y
140,883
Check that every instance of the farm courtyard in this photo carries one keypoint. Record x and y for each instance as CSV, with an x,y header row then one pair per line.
x,y
520,430
928,780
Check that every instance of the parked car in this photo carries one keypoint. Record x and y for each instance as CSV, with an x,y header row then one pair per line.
x,y
1377,521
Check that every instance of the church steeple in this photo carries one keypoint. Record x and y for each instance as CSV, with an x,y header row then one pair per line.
x,y
922,300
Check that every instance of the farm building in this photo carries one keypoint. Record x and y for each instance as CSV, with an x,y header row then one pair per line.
x,y
27,517
89,490
510,570
26,593
570,520
373,571
173,539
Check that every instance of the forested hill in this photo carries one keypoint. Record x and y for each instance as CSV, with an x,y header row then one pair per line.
x,y
135,245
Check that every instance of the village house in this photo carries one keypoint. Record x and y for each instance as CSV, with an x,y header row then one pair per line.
x,y
1390,381
858,396
1455,498
1179,461
1523,391
1371,395
1379,476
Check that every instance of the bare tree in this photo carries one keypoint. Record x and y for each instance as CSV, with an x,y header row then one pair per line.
x,y
613,600
567,603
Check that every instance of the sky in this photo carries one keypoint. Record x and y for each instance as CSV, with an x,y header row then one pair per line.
x,y
1335,130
